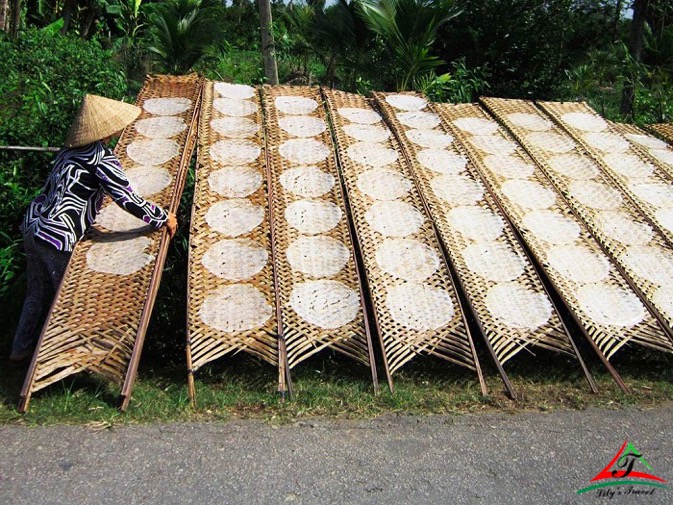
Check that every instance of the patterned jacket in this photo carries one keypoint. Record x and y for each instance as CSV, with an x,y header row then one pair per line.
x,y
74,193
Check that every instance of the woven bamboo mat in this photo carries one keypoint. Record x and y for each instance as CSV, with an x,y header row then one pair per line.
x,y
102,308
231,302
648,146
639,250
663,130
595,292
649,187
505,292
415,302
321,299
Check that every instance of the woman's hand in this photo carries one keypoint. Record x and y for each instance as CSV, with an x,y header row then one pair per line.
x,y
171,224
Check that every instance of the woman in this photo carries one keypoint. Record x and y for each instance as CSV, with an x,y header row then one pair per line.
x,y
83,171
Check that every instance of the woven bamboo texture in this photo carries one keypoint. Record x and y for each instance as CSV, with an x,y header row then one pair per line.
x,y
652,193
650,147
488,266
663,130
321,300
231,302
415,302
599,297
98,319
639,250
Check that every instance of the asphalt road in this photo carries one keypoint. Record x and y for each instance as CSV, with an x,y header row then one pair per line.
x,y
525,458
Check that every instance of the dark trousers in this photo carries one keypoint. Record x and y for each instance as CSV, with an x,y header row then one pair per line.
x,y
45,268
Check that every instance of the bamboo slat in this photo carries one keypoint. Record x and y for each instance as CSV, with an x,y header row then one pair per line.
x,y
649,146
639,251
663,130
416,307
321,299
101,310
505,292
231,302
649,187
585,275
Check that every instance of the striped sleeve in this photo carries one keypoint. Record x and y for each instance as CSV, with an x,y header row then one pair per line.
x,y
114,181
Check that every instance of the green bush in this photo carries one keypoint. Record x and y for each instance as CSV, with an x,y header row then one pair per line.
x,y
44,77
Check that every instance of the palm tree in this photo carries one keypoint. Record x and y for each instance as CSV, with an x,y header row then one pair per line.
x,y
183,32
408,29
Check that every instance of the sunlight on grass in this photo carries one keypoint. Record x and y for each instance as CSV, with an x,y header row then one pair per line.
x,y
333,387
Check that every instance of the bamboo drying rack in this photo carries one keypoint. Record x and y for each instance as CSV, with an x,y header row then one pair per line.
x,y
452,341
557,109
606,340
504,341
650,332
204,342
305,338
98,321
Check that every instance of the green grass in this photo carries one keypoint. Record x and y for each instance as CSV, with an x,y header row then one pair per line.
x,y
330,386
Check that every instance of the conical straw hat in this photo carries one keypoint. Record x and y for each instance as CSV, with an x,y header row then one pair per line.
x,y
99,117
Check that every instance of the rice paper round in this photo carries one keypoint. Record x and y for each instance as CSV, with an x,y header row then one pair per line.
x,y
573,166
358,115
167,106
610,305
120,257
394,218
235,259
528,194
531,122
596,195
419,306
508,166
494,261
620,226
382,184
441,161
518,307
297,105
407,102
476,125
476,223
235,127
304,151
152,151
235,308
317,256
407,259
235,182
307,181
607,142
312,216
585,121
160,127
578,263
234,107
551,142
235,152
235,217
235,91
325,303
551,226
457,189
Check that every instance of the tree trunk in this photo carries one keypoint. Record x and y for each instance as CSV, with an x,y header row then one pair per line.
x,y
4,10
268,44
90,17
15,20
636,50
68,8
